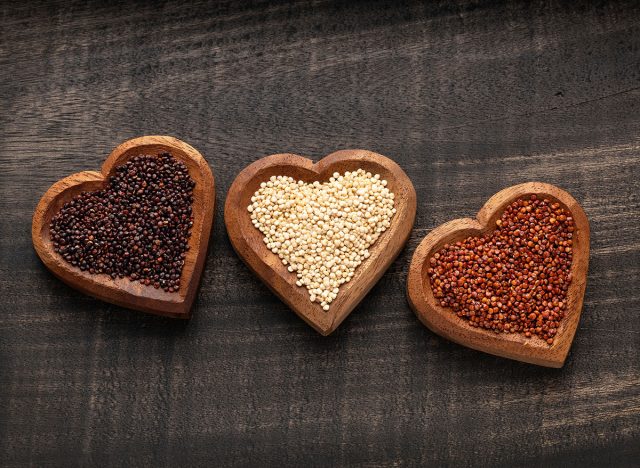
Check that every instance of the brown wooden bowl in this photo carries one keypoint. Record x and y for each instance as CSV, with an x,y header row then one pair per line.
x,y
247,240
122,291
513,345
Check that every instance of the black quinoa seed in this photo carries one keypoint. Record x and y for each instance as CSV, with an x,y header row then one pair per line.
x,y
138,227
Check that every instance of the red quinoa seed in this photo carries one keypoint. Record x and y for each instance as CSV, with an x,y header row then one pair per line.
x,y
515,279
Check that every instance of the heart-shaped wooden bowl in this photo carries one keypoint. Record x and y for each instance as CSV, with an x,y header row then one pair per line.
x,y
247,240
513,346
122,291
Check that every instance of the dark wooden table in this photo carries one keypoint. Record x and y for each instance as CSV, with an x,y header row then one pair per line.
x,y
467,97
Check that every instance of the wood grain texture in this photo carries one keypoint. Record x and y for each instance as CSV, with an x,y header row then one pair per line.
x,y
248,242
467,97
444,322
123,291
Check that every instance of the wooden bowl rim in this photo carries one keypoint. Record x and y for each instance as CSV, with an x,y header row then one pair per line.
x,y
123,291
444,322
268,267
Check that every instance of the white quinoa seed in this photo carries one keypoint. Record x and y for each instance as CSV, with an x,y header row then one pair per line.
x,y
323,231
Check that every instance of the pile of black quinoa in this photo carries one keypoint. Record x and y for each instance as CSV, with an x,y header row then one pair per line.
x,y
138,227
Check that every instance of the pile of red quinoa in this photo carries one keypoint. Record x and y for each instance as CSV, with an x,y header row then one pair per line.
x,y
515,279
137,227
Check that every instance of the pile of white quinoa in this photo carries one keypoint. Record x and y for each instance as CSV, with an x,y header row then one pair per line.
x,y
323,231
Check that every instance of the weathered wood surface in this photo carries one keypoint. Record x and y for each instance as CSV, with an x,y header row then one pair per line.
x,y
468,98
